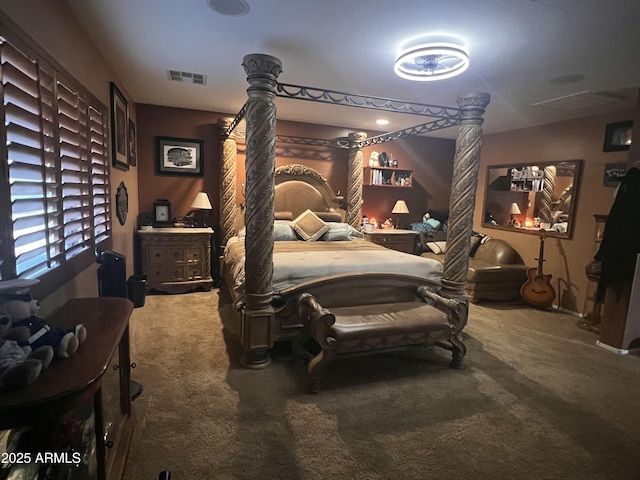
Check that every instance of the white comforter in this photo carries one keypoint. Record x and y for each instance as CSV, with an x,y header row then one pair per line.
x,y
299,261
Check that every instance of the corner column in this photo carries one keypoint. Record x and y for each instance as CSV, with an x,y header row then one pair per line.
x,y
463,194
229,152
257,320
354,186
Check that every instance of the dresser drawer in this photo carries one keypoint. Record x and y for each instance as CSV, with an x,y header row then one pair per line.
x,y
176,255
195,254
194,271
157,256
157,273
402,242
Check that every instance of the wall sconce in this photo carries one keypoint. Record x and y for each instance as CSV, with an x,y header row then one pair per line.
x,y
399,208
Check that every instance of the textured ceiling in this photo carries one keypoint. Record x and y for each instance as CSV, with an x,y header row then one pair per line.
x,y
520,50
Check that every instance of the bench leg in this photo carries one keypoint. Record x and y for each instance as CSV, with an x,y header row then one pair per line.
x,y
458,350
316,365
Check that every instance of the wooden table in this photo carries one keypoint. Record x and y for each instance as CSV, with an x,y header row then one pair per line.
x,y
69,383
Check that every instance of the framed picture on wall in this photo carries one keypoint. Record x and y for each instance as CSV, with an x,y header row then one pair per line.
x,y
613,173
617,136
133,148
119,126
179,156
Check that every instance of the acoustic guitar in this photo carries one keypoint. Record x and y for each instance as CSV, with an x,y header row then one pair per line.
x,y
537,290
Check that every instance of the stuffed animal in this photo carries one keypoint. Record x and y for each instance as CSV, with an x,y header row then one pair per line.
x,y
19,366
30,330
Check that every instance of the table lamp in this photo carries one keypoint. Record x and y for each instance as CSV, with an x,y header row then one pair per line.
x,y
201,202
514,210
399,208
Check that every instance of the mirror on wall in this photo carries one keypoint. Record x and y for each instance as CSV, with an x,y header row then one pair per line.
x,y
529,197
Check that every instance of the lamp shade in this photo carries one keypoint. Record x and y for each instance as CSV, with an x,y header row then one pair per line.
x,y
514,210
400,207
201,202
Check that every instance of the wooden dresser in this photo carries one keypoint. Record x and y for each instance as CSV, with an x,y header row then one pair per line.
x,y
80,407
176,260
396,239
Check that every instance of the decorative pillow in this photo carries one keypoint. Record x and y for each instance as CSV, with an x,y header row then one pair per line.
x,y
283,216
354,232
437,247
329,216
475,243
309,227
283,232
337,232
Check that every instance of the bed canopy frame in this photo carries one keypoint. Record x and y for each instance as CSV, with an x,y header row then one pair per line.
x,y
259,112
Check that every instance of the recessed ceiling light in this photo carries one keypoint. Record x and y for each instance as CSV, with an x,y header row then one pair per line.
x,y
382,121
431,61
231,8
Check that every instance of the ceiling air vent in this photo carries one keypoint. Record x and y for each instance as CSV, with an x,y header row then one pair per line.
x,y
584,99
187,77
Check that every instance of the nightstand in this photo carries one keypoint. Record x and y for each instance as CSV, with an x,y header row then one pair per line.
x,y
177,260
396,239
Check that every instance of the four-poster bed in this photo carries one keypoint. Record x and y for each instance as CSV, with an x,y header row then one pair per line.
x,y
265,314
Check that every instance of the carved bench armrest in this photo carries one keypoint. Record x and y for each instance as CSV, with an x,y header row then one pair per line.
x,y
316,319
456,309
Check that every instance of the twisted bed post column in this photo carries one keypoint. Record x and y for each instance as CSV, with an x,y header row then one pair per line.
x,y
546,203
229,152
258,316
354,187
463,194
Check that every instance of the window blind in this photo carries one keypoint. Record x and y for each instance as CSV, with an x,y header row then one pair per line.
x,y
56,166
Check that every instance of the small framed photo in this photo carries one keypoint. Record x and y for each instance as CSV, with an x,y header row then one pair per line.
x,y
119,126
617,136
179,156
613,173
133,147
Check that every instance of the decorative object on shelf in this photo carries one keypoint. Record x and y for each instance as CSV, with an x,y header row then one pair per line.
x,y
431,58
201,202
613,173
161,213
399,209
119,125
538,290
374,160
514,210
133,145
387,176
179,156
122,203
617,136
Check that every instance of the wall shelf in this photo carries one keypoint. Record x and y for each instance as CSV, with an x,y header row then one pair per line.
x,y
388,177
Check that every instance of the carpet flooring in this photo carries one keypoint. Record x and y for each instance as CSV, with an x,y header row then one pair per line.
x,y
537,400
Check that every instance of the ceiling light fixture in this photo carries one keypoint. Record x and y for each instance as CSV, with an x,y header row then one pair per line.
x,y
431,61
230,8
382,121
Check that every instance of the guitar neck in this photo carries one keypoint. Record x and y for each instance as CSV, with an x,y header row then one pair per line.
x,y
541,255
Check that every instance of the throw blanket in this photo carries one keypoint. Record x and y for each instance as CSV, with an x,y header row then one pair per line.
x,y
298,261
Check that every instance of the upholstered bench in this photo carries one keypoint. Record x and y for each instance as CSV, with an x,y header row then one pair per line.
x,y
345,330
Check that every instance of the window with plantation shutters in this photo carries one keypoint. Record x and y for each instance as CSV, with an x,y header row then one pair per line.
x,y
54,201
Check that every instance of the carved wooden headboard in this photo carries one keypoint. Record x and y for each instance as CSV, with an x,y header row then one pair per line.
x,y
298,188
